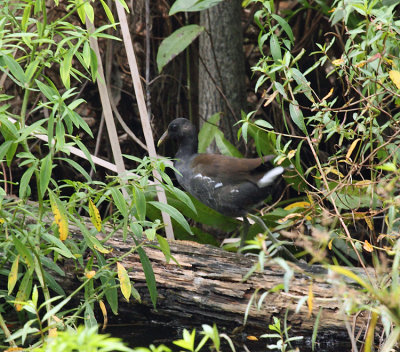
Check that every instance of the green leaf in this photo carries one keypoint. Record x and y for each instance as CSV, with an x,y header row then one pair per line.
x,y
303,83
31,69
86,54
4,148
65,68
124,5
85,151
49,92
16,70
60,247
53,284
77,167
49,263
275,48
89,11
93,65
297,117
45,173
183,197
208,131
208,216
264,124
226,147
149,274
140,203
24,183
24,251
108,13
192,5
176,43
164,247
175,214
150,233
25,17
119,201
56,309
282,22
34,128
109,285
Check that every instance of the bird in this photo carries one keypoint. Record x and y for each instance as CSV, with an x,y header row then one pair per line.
x,y
231,186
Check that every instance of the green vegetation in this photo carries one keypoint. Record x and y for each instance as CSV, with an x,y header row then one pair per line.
x,y
329,109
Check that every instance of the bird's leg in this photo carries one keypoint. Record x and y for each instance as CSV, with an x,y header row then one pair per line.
x,y
245,231
272,238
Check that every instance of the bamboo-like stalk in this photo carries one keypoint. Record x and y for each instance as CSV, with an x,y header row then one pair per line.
x,y
105,102
148,135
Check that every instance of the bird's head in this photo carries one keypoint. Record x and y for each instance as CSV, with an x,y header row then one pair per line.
x,y
178,129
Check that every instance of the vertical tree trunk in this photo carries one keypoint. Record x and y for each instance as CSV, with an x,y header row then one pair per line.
x,y
221,67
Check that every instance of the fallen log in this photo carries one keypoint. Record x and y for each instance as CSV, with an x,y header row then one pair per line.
x,y
207,287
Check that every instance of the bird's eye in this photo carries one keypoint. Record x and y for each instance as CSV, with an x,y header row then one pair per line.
x,y
173,127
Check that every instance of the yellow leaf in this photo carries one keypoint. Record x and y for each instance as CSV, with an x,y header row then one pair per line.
x,y
328,95
90,274
101,249
124,282
369,222
353,145
53,332
310,199
389,61
12,277
310,300
59,217
292,153
361,64
2,221
290,216
298,205
104,311
363,183
94,215
368,247
346,272
356,215
332,170
369,341
252,338
330,244
337,62
395,77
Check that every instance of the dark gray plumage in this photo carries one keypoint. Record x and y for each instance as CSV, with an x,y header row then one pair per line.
x,y
231,186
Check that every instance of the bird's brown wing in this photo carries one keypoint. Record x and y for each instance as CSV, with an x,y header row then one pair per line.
x,y
234,170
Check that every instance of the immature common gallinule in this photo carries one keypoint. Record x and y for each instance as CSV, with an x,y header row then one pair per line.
x,y
231,186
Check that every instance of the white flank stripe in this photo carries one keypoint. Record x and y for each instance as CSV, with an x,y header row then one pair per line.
x,y
270,176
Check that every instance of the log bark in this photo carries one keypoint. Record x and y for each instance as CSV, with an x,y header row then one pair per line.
x,y
207,287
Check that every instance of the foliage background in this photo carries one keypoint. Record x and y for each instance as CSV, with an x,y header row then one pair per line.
x,y
323,95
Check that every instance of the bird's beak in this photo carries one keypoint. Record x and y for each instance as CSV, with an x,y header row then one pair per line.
x,y
162,138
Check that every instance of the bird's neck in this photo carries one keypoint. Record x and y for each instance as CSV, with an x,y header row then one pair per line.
x,y
188,146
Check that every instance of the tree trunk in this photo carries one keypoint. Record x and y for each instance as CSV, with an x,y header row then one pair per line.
x,y
221,67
